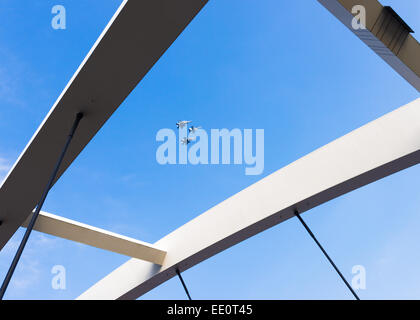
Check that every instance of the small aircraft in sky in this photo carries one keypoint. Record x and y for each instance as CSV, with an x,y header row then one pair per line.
x,y
181,124
193,129
187,140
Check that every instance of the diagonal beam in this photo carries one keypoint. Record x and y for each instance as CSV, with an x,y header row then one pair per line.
x,y
376,150
385,33
133,41
96,237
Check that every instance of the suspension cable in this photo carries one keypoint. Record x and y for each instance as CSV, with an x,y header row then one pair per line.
x,y
183,283
25,238
326,254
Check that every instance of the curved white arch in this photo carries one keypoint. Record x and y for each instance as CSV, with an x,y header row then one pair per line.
x,y
376,150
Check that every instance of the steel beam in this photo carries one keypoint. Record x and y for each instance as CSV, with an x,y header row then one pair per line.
x,y
385,33
96,237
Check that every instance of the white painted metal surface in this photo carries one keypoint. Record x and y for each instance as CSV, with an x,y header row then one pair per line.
x,y
96,237
376,150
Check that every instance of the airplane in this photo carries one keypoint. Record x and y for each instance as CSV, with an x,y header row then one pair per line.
x,y
193,129
187,140
181,124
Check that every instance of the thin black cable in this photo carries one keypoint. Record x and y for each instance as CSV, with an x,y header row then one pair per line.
x,y
183,284
326,254
31,224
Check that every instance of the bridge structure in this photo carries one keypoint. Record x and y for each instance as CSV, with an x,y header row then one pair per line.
x,y
113,68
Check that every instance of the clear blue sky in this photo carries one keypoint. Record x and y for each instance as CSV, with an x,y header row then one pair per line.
x,y
288,67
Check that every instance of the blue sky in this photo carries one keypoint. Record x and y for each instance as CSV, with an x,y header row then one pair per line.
x,y
288,67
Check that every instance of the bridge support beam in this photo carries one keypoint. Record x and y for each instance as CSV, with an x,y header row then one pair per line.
x,y
385,33
96,237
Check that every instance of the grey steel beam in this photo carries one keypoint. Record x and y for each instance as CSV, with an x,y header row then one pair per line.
x,y
385,33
